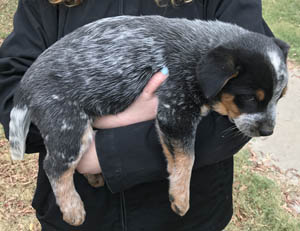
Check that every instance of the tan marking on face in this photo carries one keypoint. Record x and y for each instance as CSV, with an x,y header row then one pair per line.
x,y
234,75
180,178
283,93
220,108
68,199
226,106
260,94
95,180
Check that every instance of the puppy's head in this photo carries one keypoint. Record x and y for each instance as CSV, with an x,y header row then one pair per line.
x,y
244,79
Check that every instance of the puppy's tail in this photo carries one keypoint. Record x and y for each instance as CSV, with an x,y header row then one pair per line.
x,y
20,118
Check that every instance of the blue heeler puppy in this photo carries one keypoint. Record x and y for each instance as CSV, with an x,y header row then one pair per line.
x,y
102,67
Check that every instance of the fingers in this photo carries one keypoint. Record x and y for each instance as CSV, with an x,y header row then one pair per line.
x,y
143,108
155,82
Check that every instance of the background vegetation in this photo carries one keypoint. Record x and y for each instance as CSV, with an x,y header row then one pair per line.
x,y
283,17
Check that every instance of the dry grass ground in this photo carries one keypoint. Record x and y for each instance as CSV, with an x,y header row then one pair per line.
x,y
263,196
7,9
17,185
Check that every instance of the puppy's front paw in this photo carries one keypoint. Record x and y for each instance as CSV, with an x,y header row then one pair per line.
x,y
180,202
73,210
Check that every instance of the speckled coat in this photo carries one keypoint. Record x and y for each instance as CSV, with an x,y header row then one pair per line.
x,y
133,165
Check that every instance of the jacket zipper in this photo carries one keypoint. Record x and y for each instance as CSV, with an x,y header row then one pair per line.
x,y
123,211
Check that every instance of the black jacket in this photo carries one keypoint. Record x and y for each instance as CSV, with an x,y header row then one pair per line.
x,y
131,157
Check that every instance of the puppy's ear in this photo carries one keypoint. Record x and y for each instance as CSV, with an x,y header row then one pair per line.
x,y
283,46
216,69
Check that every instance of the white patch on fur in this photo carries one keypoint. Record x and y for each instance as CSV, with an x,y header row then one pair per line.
x,y
247,123
275,60
281,73
55,97
62,154
87,81
18,130
282,80
204,110
72,103
65,126
82,115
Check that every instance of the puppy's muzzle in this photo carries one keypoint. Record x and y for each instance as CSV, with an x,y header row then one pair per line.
x,y
265,128
265,132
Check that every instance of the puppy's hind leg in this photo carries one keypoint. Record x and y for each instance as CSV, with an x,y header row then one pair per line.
x,y
64,151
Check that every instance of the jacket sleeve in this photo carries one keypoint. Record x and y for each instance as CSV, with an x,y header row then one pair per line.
x,y
18,51
132,155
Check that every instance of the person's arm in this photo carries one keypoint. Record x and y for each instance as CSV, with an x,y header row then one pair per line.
x,y
32,34
143,109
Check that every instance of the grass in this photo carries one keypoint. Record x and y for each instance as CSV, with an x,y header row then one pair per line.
x,y
261,200
283,17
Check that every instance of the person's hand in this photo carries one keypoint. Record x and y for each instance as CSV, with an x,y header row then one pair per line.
x,y
142,109
89,163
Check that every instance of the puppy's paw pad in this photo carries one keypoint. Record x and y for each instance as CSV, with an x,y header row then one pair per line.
x,y
75,218
180,205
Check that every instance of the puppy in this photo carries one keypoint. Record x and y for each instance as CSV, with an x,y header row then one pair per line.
x,y
102,67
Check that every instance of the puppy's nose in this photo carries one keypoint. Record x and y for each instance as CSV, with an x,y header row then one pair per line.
x,y
265,132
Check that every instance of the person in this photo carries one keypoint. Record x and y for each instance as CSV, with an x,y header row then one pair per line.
x,y
126,149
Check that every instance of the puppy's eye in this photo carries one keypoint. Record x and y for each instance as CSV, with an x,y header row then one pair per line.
x,y
248,98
